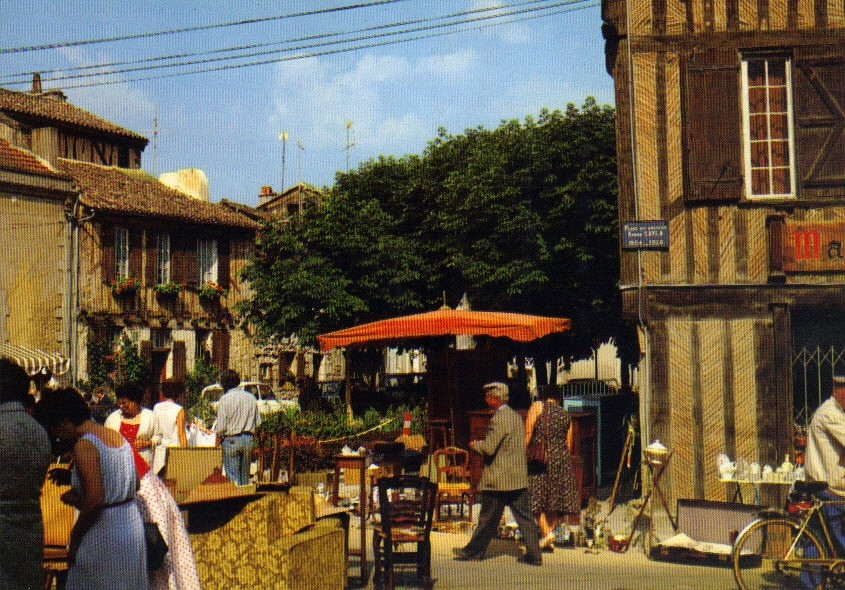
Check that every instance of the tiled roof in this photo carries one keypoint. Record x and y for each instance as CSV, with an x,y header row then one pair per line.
x,y
135,192
17,160
58,111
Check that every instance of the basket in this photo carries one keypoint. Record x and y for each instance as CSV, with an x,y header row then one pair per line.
x,y
618,543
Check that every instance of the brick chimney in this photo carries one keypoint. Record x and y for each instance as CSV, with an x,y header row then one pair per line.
x,y
36,83
265,194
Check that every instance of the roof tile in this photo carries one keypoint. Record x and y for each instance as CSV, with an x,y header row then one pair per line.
x,y
59,111
135,192
15,159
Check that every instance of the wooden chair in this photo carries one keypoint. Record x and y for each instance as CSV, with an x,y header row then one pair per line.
x,y
453,481
58,522
406,508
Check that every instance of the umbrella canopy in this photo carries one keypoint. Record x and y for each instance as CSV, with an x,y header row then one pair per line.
x,y
447,322
33,359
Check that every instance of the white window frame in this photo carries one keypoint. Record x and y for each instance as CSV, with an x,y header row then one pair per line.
x,y
162,259
121,253
746,132
206,261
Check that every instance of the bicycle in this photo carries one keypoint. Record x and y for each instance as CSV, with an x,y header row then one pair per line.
x,y
792,548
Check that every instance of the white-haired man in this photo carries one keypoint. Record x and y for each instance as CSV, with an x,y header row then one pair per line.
x,y
504,480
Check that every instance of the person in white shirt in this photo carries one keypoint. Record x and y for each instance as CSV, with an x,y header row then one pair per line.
x,y
169,424
237,420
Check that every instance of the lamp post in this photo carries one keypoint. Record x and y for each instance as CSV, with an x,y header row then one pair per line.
x,y
284,137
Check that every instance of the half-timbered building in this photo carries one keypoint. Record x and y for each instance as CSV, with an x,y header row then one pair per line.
x,y
731,136
93,247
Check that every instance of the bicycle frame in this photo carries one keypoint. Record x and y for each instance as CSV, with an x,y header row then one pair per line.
x,y
816,522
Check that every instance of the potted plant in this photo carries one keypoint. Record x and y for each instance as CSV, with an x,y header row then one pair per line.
x,y
123,286
211,291
168,289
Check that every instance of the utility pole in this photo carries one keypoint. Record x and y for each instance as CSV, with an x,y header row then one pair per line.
x,y
284,137
349,143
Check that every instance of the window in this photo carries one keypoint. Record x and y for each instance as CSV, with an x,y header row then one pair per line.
x,y
768,137
207,261
121,252
161,338
162,259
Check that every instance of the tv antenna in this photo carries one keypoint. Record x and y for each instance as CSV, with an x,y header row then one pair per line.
x,y
350,143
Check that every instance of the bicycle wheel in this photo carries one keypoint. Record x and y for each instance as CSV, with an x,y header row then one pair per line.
x,y
760,548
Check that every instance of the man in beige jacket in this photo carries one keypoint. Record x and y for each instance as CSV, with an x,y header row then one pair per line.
x,y
504,480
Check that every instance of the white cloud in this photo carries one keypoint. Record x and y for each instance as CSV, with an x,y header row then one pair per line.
x,y
455,64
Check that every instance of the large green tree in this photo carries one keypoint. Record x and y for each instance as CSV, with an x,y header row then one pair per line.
x,y
521,218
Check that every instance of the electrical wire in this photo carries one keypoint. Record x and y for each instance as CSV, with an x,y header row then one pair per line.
x,y
24,77
62,44
571,5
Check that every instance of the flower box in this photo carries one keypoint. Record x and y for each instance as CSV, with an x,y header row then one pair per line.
x,y
168,289
123,286
211,291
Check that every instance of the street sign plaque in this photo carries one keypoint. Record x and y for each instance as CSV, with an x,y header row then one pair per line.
x,y
645,235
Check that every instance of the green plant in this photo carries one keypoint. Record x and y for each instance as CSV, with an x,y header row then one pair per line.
x,y
100,363
169,288
204,373
130,364
123,285
211,291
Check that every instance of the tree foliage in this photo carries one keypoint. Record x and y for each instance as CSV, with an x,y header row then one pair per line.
x,y
521,218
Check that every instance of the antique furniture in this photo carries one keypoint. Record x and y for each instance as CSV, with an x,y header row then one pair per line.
x,y
453,485
356,464
270,540
406,508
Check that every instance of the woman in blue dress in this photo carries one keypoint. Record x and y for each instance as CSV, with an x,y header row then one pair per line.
x,y
107,547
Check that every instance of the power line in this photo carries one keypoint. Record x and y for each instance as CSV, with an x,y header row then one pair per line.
x,y
570,4
148,35
24,77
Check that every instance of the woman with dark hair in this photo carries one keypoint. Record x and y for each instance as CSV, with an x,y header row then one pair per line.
x,y
107,548
137,425
553,492
135,422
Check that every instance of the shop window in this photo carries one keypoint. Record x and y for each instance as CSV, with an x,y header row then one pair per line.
x,y
768,136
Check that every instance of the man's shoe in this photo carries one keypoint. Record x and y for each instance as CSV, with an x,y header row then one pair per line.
x,y
462,554
530,560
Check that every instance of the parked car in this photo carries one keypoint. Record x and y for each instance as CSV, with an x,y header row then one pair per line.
x,y
265,397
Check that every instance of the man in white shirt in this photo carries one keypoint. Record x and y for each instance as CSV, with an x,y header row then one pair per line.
x,y
237,419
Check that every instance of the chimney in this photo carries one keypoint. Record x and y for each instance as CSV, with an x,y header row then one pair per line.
x,y
36,83
265,194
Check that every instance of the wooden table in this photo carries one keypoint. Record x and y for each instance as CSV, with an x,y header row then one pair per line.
x,y
355,463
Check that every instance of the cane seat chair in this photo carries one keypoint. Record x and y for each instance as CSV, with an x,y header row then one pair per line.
x,y
403,535
453,482
58,520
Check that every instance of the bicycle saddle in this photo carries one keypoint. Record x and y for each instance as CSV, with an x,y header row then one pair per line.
x,y
809,487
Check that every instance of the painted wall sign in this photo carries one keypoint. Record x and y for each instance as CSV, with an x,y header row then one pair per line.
x,y
638,235
813,247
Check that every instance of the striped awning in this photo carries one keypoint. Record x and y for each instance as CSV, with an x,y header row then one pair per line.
x,y
33,359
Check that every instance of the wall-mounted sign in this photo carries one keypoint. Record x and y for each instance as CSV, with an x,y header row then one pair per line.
x,y
813,247
645,235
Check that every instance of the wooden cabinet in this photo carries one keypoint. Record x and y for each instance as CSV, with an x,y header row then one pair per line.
x,y
583,449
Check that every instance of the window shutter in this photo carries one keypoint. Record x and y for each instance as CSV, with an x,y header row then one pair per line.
x,y
220,349
189,263
712,126
152,259
179,360
223,258
819,99
107,250
135,254
177,259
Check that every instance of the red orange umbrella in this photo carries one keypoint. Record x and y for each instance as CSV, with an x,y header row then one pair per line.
x,y
446,322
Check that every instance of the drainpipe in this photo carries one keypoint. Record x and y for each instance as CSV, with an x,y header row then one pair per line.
x,y
73,276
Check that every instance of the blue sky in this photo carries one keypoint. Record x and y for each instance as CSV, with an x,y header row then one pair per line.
x,y
396,96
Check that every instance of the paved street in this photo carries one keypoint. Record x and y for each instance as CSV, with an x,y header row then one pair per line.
x,y
566,567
